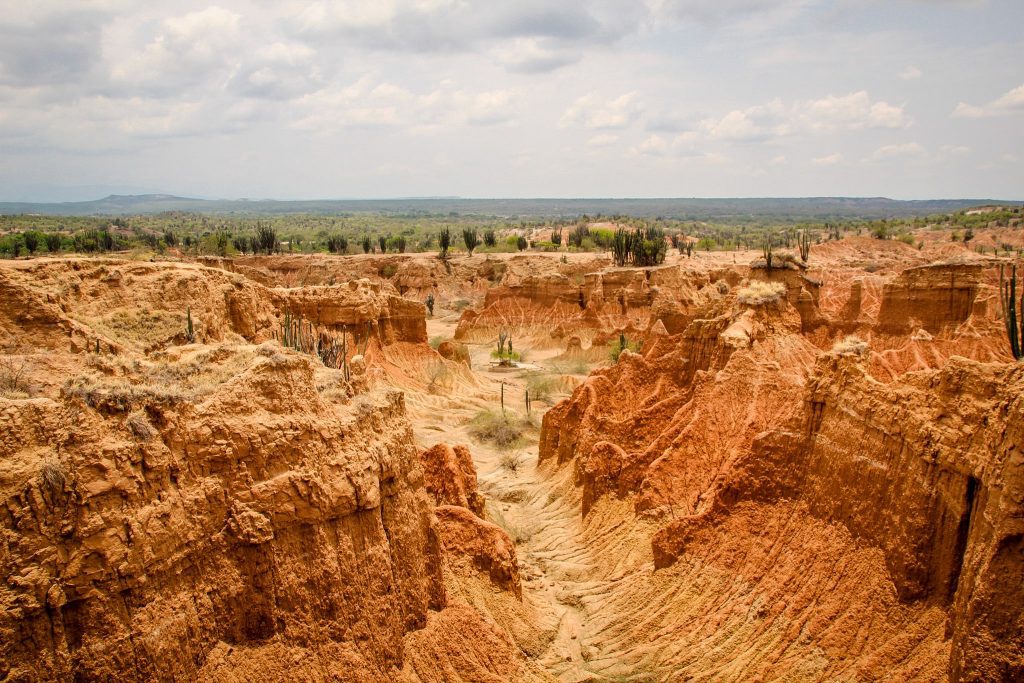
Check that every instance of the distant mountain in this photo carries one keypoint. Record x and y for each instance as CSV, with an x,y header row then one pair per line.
x,y
735,209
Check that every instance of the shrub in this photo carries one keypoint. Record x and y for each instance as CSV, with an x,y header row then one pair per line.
x,y
622,345
758,293
470,239
52,240
511,461
444,239
505,431
541,387
490,239
851,346
52,474
266,238
382,241
367,245
13,383
31,241
337,244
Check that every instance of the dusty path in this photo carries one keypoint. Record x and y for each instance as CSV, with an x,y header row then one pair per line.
x,y
540,510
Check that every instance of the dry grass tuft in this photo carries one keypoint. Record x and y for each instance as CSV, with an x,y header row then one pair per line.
x,y
759,293
53,476
13,381
851,346
504,431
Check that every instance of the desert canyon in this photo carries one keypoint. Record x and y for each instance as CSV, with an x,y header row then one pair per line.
x,y
807,472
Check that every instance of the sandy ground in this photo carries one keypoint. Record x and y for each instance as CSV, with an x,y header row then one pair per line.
x,y
538,507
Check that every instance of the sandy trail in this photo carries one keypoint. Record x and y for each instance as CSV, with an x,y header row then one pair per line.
x,y
538,507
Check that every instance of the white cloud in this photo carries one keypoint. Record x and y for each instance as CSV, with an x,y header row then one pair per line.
x,y
596,113
830,160
1010,103
682,145
853,111
910,73
366,103
900,151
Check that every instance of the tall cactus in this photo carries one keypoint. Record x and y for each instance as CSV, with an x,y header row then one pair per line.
x,y
1013,317
766,249
804,242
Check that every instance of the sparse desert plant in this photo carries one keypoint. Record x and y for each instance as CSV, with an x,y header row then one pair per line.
x,y
470,239
803,241
382,241
13,382
190,333
759,292
170,238
851,346
504,431
367,244
556,237
31,241
52,474
766,251
622,345
240,243
52,240
438,377
1013,316
511,461
504,353
430,304
436,341
444,241
266,238
541,387
490,239
521,243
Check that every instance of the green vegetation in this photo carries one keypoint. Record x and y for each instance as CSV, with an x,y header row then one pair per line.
x,y
503,430
504,354
226,233
470,239
541,387
1013,315
622,345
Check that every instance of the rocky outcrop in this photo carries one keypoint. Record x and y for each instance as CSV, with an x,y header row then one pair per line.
x,y
930,297
891,464
361,307
454,351
594,306
450,477
473,544
142,536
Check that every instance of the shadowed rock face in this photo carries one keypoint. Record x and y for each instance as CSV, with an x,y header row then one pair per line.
x,y
735,420
930,297
260,514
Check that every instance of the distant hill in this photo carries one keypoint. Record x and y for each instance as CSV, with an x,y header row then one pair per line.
x,y
738,209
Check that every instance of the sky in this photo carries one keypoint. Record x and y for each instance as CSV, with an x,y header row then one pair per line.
x,y
909,99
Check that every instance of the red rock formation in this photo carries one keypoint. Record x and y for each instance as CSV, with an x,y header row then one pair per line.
x,y
931,297
469,540
450,477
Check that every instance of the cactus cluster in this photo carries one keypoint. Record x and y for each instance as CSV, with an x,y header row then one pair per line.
x,y
1013,313
331,348
766,250
803,241
640,247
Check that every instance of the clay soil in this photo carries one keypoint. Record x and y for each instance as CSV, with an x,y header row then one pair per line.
x,y
811,472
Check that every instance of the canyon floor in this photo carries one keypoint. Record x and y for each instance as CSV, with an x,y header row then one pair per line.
x,y
800,471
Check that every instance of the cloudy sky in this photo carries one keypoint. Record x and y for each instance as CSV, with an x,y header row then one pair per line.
x,y
524,98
